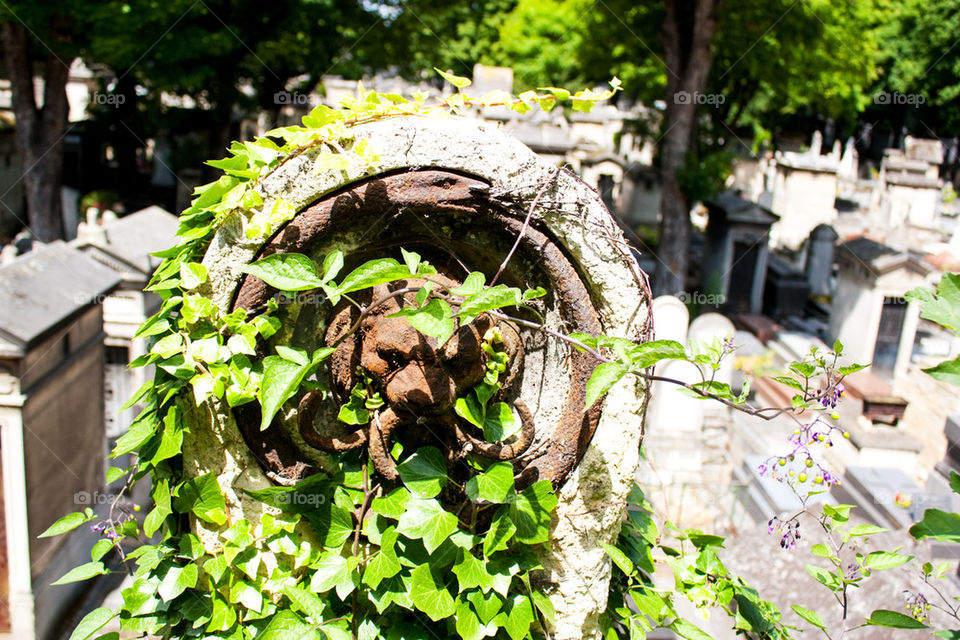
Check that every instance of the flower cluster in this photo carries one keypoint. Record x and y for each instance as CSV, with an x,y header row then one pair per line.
x,y
832,396
105,529
917,605
789,531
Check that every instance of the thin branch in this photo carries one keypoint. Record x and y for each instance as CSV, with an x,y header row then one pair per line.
x,y
766,413
526,224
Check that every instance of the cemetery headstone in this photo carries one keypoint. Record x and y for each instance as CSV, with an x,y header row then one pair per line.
x,y
457,192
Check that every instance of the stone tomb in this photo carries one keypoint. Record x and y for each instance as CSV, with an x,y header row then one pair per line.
x,y
456,192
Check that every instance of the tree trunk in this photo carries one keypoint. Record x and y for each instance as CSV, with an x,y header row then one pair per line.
x,y
39,131
687,34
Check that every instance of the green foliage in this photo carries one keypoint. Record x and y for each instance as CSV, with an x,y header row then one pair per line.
x,y
943,307
637,606
332,555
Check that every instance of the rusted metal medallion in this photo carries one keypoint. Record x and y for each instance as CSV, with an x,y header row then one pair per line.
x,y
451,221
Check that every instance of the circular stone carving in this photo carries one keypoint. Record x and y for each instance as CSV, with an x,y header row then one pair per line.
x,y
451,221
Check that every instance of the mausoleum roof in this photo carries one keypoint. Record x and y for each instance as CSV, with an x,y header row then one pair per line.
x,y
131,239
738,209
45,288
878,257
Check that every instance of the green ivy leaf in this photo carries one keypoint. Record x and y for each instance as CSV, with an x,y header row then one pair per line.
x,y
470,409
619,558
177,580
304,601
604,376
434,320
192,275
286,271
67,523
394,504
944,307
171,439
517,621
941,525
458,81
161,509
427,596
650,353
810,616
83,572
384,563
880,560
334,572
894,620
139,432
688,630
531,510
92,623
471,572
487,605
494,484
201,496
468,624
499,423
545,607
488,299
372,273
425,472
427,520
947,371
286,624
247,595
281,379
223,616
501,531
472,284
215,567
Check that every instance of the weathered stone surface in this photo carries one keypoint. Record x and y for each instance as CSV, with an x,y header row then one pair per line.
x,y
572,216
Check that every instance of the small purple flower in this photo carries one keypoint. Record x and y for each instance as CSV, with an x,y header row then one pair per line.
x,y
852,571
762,469
789,529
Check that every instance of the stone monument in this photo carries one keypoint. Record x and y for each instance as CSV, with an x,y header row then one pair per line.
x,y
458,193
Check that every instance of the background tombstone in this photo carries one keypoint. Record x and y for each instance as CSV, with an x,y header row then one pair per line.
x,y
705,331
673,439
443,212
819,264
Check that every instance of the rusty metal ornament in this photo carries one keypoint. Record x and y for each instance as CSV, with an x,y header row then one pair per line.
x,y
418,378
